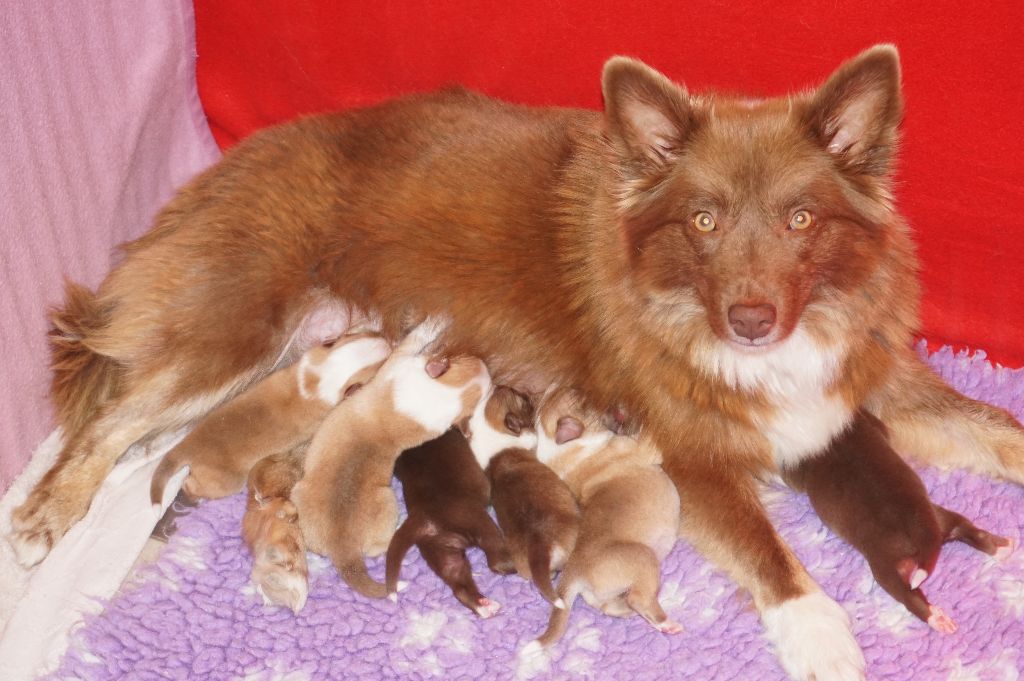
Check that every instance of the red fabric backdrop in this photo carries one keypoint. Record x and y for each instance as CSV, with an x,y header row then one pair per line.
x,y
961,178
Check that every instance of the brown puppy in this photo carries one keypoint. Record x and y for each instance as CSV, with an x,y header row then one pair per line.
x,y
270,529
446,496
630,516
536,511
733,270
869,496
273,417
347,509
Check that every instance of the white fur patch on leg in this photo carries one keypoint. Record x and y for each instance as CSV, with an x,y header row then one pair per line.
x,y
940,621
917,579
532,660
813,639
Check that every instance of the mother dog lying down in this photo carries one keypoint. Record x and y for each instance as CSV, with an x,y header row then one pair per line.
x,y
730,271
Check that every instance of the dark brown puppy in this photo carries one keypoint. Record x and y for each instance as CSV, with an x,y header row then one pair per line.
x,y
536,511
446,495
869,496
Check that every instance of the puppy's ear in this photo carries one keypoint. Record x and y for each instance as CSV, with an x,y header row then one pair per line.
x,y
438,367
513,424
648,117
568,429
856,113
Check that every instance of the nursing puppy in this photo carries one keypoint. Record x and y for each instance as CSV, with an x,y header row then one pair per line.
x,y
346,507
733,270
446,496
273,417
630,516
869,496
536,511
271,532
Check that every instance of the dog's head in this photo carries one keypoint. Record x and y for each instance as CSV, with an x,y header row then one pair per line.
x,y
739,214
334,371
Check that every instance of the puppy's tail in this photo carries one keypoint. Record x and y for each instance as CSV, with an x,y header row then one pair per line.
x,y
568,590
82,378
353,571
401,542
539,557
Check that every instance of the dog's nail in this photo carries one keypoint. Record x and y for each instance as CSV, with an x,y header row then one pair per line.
x,y
559,603
940,621
917,579
393,597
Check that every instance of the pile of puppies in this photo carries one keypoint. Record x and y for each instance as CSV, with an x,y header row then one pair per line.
x,y
574,491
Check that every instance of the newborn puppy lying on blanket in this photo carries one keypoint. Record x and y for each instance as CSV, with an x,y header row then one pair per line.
x,y
270,529
536,511
864,491
274,416
446,495
630,516
346,507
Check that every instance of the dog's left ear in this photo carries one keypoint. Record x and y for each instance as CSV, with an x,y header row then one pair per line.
x,y
856,113
647,116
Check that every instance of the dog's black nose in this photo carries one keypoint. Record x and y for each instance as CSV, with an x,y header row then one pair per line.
x,y
752,321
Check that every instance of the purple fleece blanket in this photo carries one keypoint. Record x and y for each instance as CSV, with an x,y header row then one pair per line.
x,y
194,615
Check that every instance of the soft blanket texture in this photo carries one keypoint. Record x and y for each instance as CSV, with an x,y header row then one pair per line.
x,y
194,615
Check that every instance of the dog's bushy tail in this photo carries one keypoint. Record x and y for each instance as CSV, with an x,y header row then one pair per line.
x,y
82,379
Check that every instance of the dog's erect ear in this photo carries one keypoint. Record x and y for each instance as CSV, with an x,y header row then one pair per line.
x,y
855,114
568,429
647,115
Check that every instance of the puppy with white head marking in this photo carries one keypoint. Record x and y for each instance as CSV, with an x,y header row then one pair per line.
x,y
347,509
446,495
630,516
536,511
274,416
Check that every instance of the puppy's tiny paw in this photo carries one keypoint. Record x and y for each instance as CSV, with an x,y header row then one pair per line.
x,y
393,597
1004,551
670,627
940,621
30,547
487,608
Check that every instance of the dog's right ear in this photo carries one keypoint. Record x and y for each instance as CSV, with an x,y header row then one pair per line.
x,y
647,116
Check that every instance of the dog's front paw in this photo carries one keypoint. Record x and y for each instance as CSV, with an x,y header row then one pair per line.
x,y
813,639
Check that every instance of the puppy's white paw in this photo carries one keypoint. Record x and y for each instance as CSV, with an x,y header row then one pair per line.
x,y
813,639
531,661
487,608
670,627
940,621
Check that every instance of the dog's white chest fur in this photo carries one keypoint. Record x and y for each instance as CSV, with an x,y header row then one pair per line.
x,y
796,377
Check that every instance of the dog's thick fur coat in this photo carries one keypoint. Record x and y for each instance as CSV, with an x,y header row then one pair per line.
x,y
613,252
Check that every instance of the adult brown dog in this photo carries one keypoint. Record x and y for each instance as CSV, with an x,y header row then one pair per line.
x,y
731,271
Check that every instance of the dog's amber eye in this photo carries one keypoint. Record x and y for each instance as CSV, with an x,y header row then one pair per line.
x,y
801,219
704,221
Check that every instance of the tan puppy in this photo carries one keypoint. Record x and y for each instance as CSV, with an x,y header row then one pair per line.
x,y
270,529
536,511
347,509
630,516
274,416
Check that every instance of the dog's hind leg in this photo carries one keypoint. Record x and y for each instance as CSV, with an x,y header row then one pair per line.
x,y
930,421
64,494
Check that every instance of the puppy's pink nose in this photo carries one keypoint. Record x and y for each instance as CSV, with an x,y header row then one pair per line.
x,y
752,321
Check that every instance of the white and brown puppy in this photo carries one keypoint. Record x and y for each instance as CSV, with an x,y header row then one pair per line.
x,y
630,515
535,509
347,509
274,416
